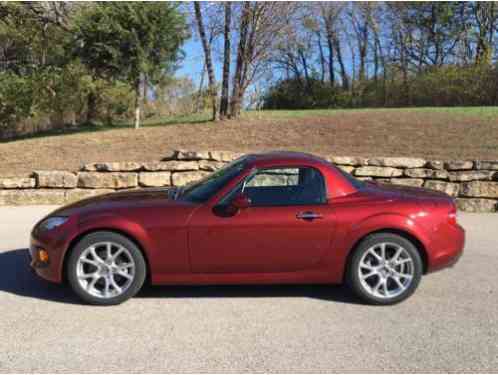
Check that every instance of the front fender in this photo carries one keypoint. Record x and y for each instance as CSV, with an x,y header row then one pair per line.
x,y
116,223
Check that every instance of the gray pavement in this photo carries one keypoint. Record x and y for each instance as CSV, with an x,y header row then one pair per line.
x,y
450,324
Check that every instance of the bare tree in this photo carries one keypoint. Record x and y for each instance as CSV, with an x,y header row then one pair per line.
x,y
226,62
261,25
486,17
206,46
331,13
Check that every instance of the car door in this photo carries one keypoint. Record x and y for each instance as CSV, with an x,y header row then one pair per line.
x,y
288,226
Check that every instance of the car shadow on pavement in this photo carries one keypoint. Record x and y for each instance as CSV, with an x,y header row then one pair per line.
x,y
17,278
332,293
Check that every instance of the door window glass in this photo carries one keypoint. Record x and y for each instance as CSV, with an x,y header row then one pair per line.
x,y
285,187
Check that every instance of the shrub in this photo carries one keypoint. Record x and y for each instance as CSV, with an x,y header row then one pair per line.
x,y
297,94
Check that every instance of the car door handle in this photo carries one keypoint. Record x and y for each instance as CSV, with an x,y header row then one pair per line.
x,y
308,215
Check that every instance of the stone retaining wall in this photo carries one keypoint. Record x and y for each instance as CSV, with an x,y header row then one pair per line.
x,y
473,182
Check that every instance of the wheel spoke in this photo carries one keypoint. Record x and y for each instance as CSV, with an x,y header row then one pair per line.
x,y
107,286
92,283
125,275
115,285
367,266
403,261
117,253
397,254
108,251
398,281
378,285
88,275
370,274
383,251
96,257
404,275
377,256
384,286
89,261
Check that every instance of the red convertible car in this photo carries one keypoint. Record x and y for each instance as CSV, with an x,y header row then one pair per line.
x,y
280,217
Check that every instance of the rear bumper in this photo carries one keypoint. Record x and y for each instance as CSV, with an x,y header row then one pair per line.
x,y
446,247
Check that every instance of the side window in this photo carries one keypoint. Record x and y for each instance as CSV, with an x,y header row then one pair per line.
x,y
274,177
285,187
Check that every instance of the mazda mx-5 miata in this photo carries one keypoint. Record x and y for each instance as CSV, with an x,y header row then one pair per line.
x,y
280,217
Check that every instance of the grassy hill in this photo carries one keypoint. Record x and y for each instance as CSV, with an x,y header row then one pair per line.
x,y
439,133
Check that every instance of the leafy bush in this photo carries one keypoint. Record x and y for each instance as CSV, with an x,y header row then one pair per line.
x,y
456,86
436,86
297,94
16,96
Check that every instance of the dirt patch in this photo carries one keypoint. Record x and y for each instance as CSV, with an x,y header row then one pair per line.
x,y
364,133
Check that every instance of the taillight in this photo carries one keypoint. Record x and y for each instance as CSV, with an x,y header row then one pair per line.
x,y
452,215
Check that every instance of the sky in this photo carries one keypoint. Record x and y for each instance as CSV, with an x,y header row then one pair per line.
x,y
192,65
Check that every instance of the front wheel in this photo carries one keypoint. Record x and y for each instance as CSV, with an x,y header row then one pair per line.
x,y
385,269
105,268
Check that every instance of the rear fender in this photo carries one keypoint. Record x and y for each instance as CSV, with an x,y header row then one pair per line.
x,y
348,240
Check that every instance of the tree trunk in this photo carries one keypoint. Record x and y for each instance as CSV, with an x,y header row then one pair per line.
x,y
237,89
91,112
322,56
331,61
226,63
362,46
199,91
137,103
342,66
209,63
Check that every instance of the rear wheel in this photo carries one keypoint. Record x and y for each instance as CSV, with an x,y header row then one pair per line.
x,y
106,268
385,269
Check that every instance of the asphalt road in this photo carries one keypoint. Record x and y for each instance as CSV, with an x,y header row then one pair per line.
x,y
449,325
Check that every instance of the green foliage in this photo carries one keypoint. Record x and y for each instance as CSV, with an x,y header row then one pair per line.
x,y
86,70
445,86
297,94
16,98
124,40
115,101
456,86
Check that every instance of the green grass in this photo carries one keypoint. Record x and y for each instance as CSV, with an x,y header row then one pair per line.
x,y
196,118
484,113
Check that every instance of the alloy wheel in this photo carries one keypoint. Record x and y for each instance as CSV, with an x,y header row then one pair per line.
x,y
105,269
386,270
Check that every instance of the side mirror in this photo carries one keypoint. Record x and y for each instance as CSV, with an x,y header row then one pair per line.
x,y
241,202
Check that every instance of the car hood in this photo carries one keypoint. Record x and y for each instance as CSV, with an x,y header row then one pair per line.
x,y
128,199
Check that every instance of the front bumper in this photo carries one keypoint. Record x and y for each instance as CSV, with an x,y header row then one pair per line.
x,y
51,270
55,243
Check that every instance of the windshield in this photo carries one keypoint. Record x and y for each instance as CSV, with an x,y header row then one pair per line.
x,y
204,189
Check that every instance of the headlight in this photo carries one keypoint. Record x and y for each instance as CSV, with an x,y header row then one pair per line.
x,y
51,223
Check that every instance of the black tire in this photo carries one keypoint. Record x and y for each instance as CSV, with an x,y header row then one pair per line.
x,y
353,270
138,278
